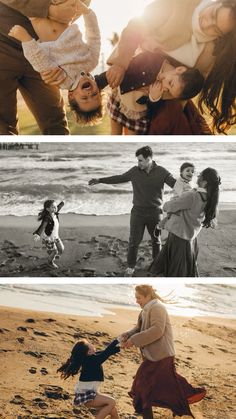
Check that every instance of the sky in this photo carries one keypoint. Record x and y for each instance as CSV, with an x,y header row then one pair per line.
x,y
113,16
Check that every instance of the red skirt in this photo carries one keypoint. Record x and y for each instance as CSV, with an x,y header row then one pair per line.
x,y
158,384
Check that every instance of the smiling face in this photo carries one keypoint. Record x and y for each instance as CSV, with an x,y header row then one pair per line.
x,y
172,82
52,208
141,299
216,20
187,173
86,94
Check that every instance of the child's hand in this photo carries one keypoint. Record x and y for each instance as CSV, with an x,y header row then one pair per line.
x,y
36,237
20,33
63,12
115,75
155,91
81,8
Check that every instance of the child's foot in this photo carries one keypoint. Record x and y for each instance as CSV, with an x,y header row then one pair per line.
x,y
53,264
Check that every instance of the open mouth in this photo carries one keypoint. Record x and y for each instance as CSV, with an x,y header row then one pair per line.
x,y
86,85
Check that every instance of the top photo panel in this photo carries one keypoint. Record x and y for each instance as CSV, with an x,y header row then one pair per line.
x,y
136,67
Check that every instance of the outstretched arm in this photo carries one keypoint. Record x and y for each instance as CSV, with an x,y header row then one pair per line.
x,y
126,177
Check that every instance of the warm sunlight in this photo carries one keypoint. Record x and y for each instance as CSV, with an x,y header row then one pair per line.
x,y
113,16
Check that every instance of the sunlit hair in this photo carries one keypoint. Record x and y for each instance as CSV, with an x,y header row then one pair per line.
x,y
213,189
144,151
192,81
148,290
73,364
219,90
44,211
87,118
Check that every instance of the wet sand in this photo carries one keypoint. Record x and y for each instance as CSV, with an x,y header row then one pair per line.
x,y
96,246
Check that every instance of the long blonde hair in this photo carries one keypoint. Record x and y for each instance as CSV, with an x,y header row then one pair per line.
x,y
146,290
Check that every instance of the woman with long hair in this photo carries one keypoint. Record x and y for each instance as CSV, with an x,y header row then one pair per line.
x,y
187,215
156,382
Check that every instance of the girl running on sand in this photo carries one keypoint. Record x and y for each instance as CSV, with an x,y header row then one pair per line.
x,y
88,361
49,230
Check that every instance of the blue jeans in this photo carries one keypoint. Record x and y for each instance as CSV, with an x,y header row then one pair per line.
x,y
139,219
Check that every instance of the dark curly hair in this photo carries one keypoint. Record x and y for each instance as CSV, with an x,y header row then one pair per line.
x,y
88,118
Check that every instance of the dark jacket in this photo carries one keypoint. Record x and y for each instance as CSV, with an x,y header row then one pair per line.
x,y
142,71
147,187
47,223
92,366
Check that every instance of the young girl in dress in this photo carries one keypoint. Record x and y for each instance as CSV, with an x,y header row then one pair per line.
x,y
49,230
88,361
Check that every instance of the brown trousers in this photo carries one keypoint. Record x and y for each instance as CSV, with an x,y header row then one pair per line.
x,y
45,102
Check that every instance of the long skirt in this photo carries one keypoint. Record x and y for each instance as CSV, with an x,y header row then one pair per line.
x,y
158,384
178,258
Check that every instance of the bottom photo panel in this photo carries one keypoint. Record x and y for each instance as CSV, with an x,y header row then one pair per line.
x,y
144,350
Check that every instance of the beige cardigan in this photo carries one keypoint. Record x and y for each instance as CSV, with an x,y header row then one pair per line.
x,y
153,332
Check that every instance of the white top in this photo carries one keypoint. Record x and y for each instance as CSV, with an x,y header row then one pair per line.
x,y
55,231
181,186
69,51
82,386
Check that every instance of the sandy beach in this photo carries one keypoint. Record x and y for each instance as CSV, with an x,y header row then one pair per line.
x,y
96,246
33,344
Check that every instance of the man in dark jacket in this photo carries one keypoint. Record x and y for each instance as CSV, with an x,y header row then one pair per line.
x,y
16,73
148,180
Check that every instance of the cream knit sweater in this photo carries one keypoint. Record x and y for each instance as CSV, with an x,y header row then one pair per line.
x,y
69,51
153,332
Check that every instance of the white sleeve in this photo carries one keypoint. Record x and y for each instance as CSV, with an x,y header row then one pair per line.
x,y
92,36
40,61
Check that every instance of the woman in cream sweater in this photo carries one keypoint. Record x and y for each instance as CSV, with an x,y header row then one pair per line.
x,y
156,382
189,213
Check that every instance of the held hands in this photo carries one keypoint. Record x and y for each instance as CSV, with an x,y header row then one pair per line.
x,y
127,344
53,77
20,33
115,75
36,237
93,182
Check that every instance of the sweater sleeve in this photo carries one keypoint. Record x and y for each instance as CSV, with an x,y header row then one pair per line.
x,y
59,207
183,202
37,57
110,350
170,180
30,8
155,331
93,37
125,177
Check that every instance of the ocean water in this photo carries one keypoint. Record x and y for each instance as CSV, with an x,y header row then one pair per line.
x,y
97,300
61,171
